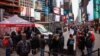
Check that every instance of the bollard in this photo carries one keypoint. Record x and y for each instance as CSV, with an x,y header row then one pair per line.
x,y
98,52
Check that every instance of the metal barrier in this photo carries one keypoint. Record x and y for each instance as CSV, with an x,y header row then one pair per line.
x,y
58,53
98,50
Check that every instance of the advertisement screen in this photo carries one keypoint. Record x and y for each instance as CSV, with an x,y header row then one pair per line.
x,y
56,10
57,18
37,15
62,11
38,5
90,10
23,10
26,11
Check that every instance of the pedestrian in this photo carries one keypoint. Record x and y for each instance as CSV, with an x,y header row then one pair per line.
x,y
61,42
23,46
89,42
14,39
7,43
55,44
65,37
42,45
70,44
81,42
71,31
50,43
34,42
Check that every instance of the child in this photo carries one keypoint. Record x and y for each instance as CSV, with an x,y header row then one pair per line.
x,y
70,44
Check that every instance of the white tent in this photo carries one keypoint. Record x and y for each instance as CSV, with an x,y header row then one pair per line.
x,y
15,20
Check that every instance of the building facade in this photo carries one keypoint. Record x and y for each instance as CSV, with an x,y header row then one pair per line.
x,y
8,7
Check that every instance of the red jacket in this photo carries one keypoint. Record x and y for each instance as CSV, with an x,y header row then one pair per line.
x,y
93,37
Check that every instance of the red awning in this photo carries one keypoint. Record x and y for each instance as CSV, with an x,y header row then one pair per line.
x,y
17,25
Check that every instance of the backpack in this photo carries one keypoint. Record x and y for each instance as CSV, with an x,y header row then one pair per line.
x,y
88,41
70,42
25,47
6,42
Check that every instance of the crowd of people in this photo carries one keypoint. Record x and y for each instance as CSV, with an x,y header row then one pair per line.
x,y
85,38
25,41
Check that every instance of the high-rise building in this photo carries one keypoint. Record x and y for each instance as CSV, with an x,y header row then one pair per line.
x,y
10,6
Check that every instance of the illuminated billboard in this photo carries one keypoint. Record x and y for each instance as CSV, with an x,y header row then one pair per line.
x,y
90,10
26,11
37,15
96,9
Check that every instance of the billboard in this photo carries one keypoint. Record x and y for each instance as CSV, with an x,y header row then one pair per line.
x,y
56,10
37,15
23,11
62,11
32,12
90,10
38,5
57,18
59,3
96,9
26,11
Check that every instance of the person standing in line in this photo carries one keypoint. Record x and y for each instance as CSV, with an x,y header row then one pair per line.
x,y
7,43
14,39
50,43
23,46
55,44
70,45
61,41
90,41
34,42
71,31
42,45
66,37
81,42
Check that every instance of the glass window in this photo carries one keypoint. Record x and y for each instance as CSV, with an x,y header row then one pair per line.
x,y
42,29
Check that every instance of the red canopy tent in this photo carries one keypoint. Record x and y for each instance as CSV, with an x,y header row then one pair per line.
x,y
15,21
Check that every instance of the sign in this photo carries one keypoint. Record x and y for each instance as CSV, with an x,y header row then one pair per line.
x,y
90,10
57,18
32,12
38,5
56,10
26,11
23,10
37,15
16,25
46,11
96,9
66,12
62,11
10,0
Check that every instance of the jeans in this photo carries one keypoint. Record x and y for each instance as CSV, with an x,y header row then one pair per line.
x,y
41,52
89,50
8,51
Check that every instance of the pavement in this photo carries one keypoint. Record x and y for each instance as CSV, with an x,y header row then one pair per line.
x,y
97,45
